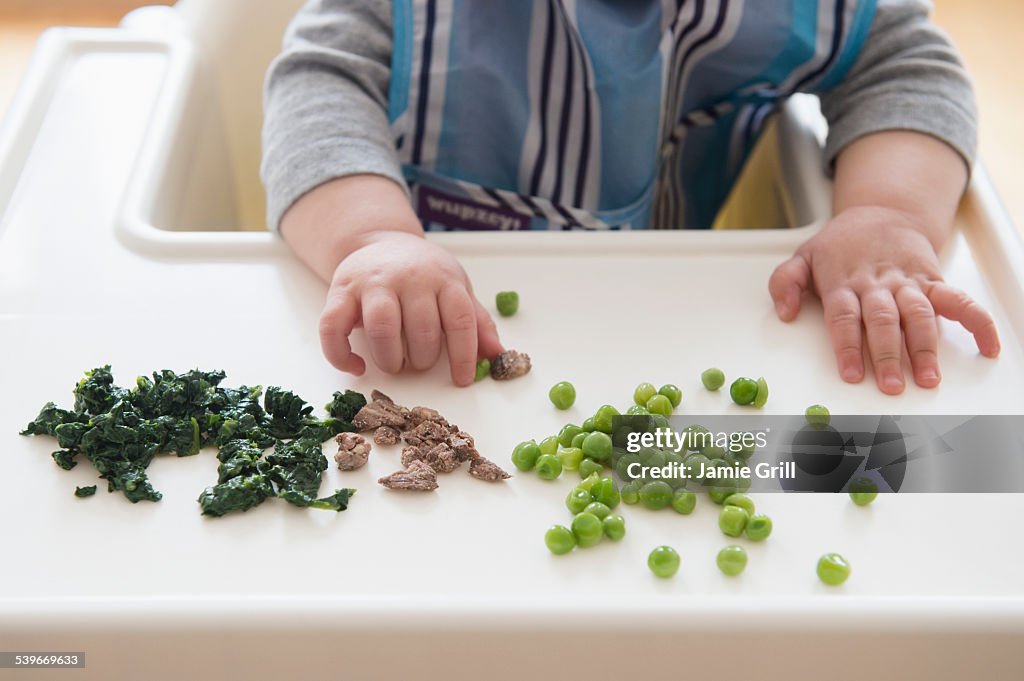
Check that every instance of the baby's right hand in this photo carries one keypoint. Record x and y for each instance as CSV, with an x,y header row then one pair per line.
x,y
408,294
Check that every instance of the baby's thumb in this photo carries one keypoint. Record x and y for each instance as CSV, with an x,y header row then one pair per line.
x,y
787,285
488,344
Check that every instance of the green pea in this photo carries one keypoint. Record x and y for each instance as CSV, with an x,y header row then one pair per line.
x,y
548,467
567,433
577,500
741,500
644,392
732,520
732,560
684,501
718,493
678,463
742,446
714,452
863,491
589,467
562,395
507,303
570,457
588,482
598,509
659,404
483,369
817,416
587,529
607,492
559,539
588,425
663,561
762,393
652,458
637,410
758,527
623,464
713,378
673,393
603,418
696,466
656,494
630,492
525,455
614,527
578,440
598,446
743,390
833,569
549,445
697,437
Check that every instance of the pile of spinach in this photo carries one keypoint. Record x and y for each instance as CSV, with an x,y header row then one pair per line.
x,y
120,430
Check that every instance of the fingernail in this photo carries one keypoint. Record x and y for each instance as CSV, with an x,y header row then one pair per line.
x,y
851,374
780,308
892,382
929,375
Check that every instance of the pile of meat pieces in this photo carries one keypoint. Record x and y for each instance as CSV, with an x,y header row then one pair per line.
x,y
432,445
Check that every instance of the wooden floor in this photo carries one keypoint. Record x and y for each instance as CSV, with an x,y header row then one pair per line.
x,y
990,33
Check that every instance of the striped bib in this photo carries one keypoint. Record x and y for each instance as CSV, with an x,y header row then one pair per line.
x,y
599,114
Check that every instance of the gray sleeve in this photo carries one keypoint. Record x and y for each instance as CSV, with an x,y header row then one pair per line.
x,y
907,77
325,101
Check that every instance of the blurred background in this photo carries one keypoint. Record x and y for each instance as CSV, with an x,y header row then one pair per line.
x,y
989,33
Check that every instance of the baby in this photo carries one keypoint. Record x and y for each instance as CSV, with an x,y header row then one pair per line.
x,y
385,118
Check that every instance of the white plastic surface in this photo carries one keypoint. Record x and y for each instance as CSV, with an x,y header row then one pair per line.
x,y
460,577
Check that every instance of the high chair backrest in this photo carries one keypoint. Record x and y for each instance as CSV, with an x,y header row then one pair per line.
x,y
237,40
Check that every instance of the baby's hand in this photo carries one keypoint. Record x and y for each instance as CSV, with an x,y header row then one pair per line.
x,y
408,294
875,272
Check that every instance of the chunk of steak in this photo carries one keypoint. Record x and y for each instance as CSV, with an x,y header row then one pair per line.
x,y
419,476
353,451
510,364
485,469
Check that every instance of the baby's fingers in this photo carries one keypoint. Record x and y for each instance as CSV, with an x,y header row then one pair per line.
x,y
885,339
421,324
921,334
382,322
842,317
787,284
956,305
458,318
339,317
489,345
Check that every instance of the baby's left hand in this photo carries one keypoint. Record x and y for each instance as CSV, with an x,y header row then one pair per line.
x,y
877,275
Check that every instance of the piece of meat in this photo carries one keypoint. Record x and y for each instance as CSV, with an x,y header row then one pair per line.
x,y
427,433
353,451
440,457
462,443
510,364
485,469
419,476
386,436
418,415
381,411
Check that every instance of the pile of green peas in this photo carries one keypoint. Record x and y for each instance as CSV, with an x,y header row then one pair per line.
x,y
591,503
593,446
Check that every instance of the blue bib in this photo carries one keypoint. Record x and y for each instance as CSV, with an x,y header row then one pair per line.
x,y
599,114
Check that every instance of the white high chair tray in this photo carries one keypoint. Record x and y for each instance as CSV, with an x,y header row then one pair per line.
x,y
458,581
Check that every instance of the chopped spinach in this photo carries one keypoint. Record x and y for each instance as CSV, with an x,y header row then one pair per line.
x,y
346,405
120,431
85,491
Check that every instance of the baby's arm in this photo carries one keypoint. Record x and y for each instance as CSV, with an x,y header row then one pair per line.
x,y
902,136
336,193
